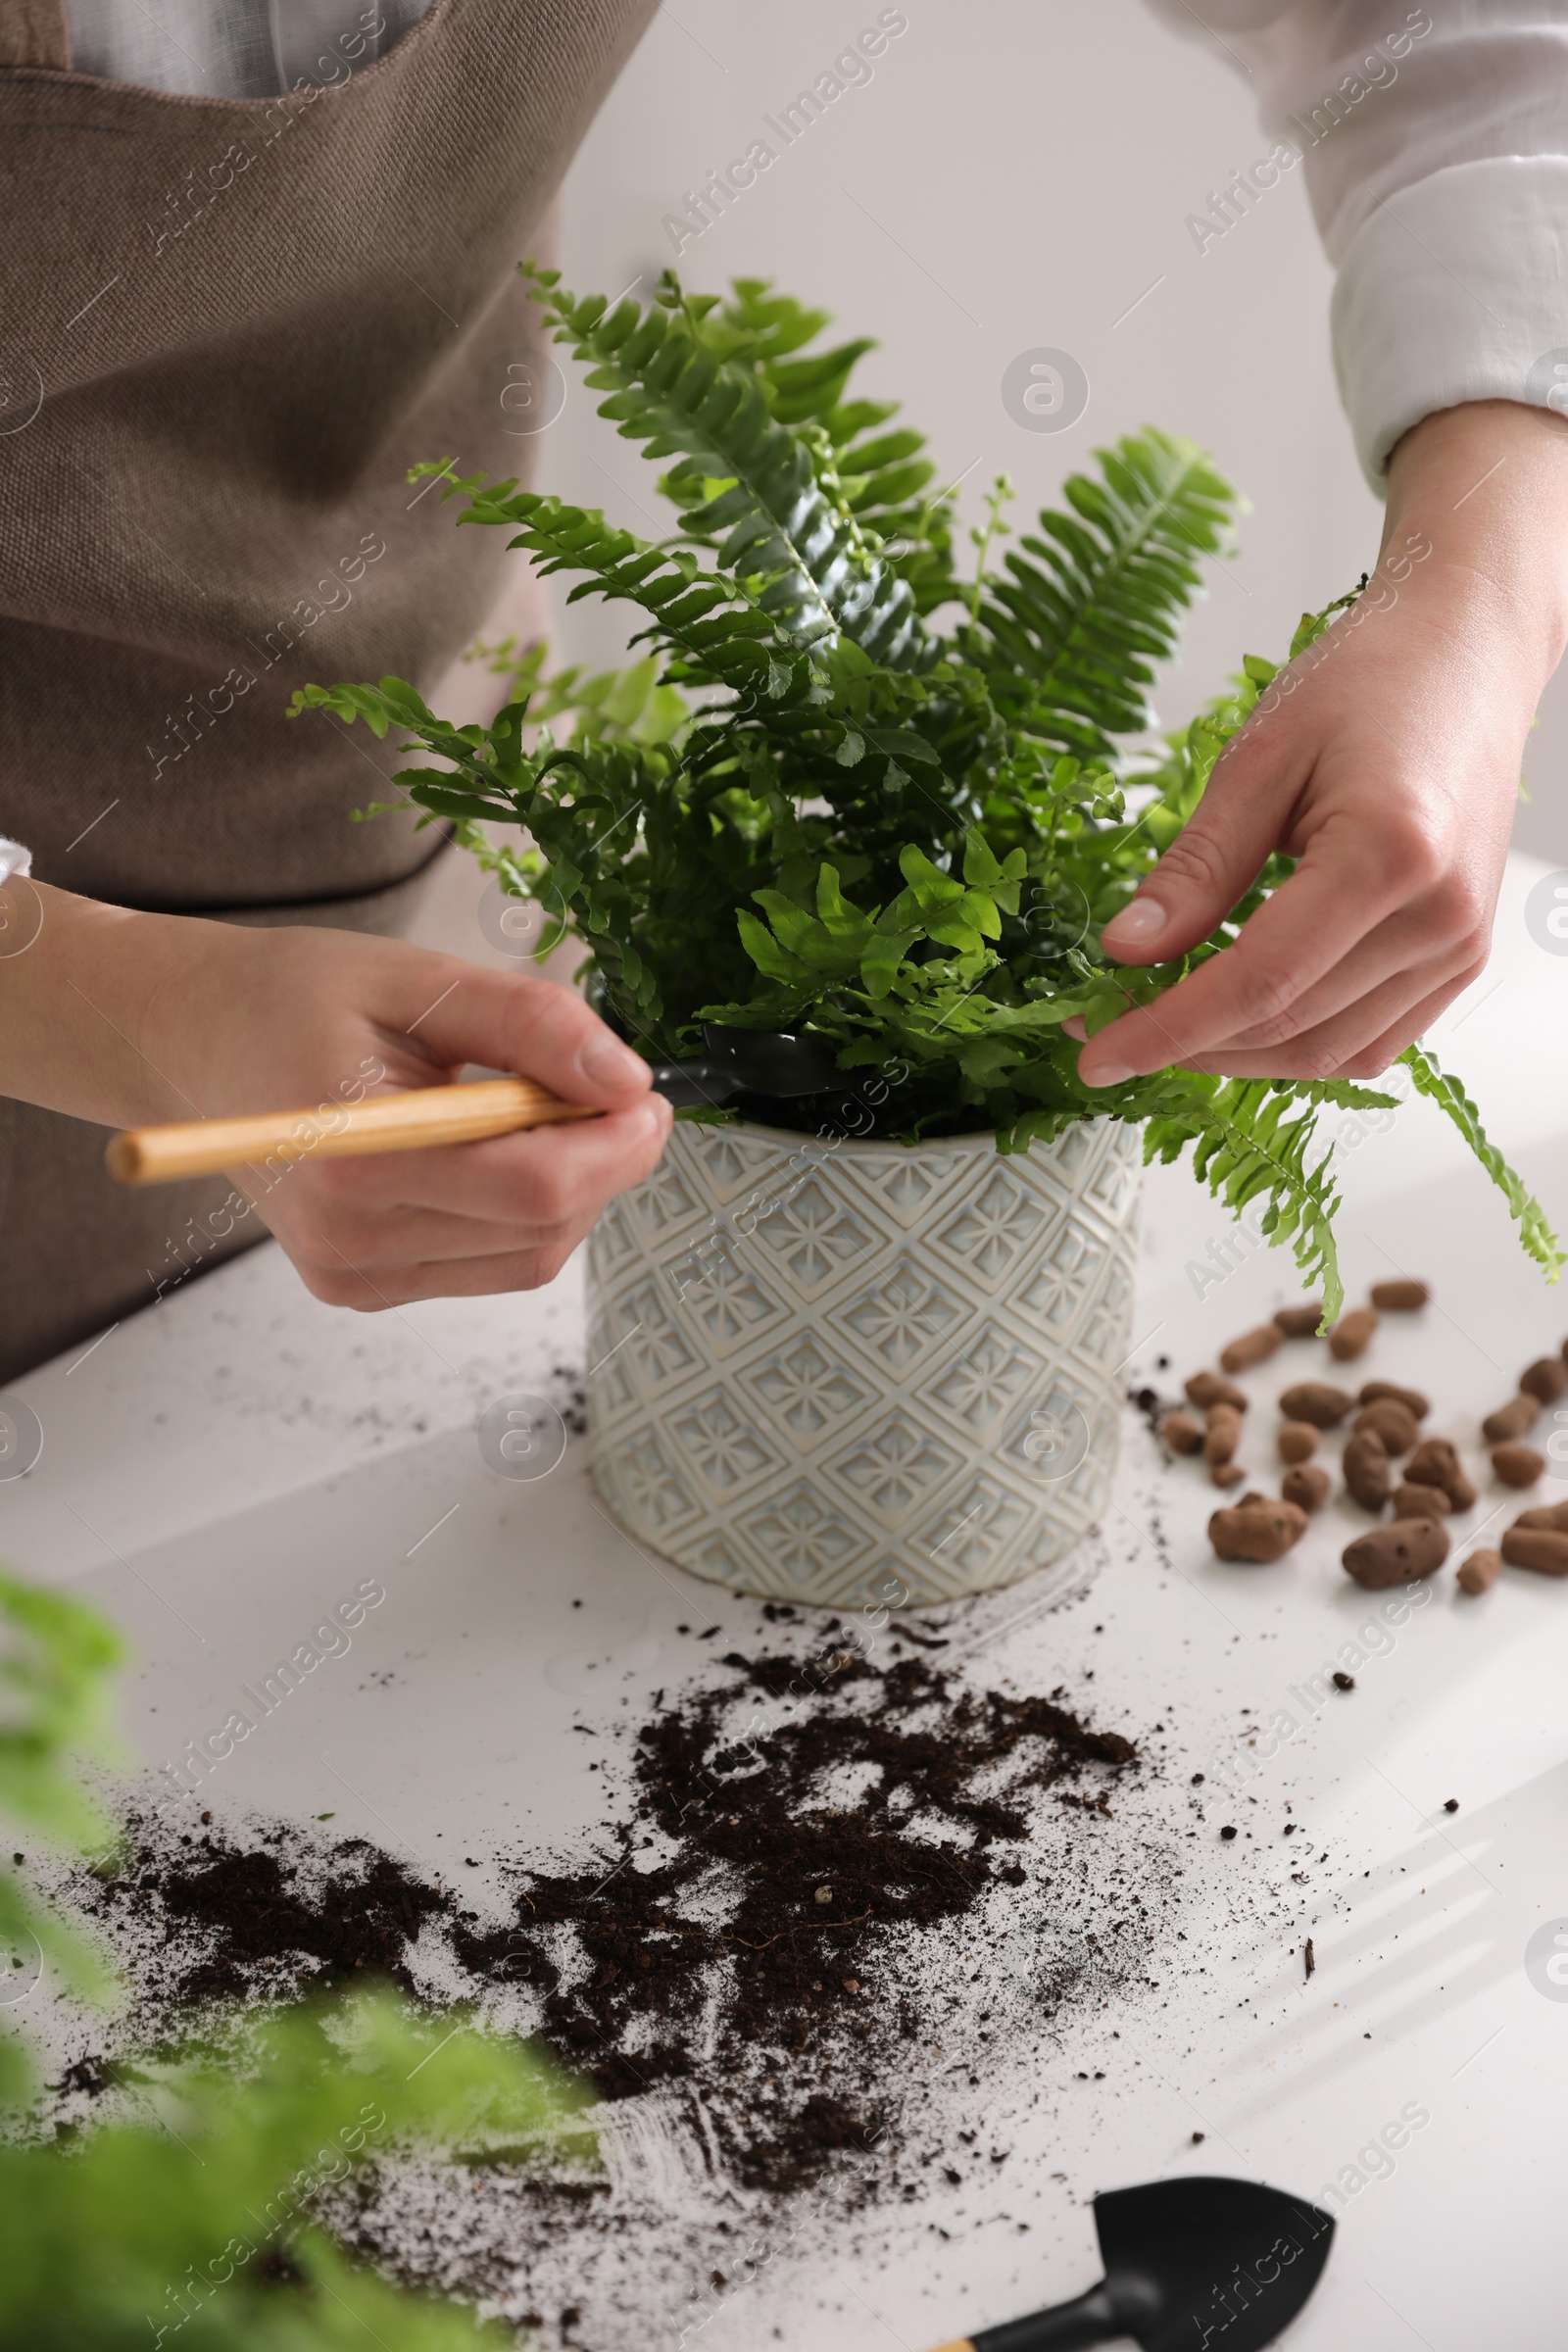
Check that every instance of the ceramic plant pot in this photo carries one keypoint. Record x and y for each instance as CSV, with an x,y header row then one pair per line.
x,y
849,1372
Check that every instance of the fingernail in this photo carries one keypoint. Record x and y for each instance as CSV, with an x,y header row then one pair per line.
x,y
1137,925
1113,1073
606,1062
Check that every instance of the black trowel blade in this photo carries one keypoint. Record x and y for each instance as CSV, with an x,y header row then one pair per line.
x,y
770,1061
1226,2264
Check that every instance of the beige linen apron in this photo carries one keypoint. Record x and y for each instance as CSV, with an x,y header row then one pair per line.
x,y
227,327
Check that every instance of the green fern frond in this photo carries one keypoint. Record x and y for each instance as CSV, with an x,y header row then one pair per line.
x,y
1245,1148
725,636
1089,604
1534,1232
884,476
774,506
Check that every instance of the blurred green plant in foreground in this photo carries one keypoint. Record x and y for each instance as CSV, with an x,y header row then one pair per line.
x,y
188,2211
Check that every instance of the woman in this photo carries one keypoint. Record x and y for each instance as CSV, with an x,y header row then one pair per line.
x,y
245,311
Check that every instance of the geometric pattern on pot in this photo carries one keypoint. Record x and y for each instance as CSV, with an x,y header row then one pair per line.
x,y
852,1373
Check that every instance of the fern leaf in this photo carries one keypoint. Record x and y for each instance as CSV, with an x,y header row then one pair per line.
x,y
723,634
1069,636
1246,1148
1450,1096
776,508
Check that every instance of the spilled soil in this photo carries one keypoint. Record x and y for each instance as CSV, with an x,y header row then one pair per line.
x,y
834,1878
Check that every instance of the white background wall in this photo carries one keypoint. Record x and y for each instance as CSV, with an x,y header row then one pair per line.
x,y
1018,173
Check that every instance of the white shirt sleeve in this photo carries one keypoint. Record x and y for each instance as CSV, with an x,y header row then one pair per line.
x,y
13,860
1435,145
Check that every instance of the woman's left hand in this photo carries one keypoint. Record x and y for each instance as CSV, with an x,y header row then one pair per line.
x,y
1386,761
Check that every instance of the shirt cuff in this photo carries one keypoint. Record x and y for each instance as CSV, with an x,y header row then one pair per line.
x,y
13,860
1455,291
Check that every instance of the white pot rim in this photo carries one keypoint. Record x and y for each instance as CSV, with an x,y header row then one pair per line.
x,y
877,1148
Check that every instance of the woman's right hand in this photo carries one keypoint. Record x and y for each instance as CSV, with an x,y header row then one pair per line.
x,y
133,1019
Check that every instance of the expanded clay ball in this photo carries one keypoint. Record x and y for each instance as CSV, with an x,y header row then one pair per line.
x,y
1518,1465
1436,1463
1207,1389
1351,1335
1397,1554
1316,1401
1511,1420
1307,1486
1223,1435
1539,1539
1546,1514
1302,1322
1415,1501
1182,1434
1297,1441
1543,1549
1256,1531
1366,1470
1480,1572
1226,1474
1546,1378
1250,1348
1394,1422
1411,1398
1401,1298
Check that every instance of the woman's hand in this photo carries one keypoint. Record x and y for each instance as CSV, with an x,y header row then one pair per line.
x,y
131,1019
1387,762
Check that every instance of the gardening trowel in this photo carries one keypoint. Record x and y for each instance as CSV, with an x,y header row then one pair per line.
x,y
1226,2264
738,1061
747,1061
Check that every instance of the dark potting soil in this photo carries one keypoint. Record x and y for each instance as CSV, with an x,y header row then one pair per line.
x,y
820,1897
836,1883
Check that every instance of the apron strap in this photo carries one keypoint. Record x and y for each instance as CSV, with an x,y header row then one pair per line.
x,y
33,32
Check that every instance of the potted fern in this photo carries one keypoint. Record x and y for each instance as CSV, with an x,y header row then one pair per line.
x,y
868,1340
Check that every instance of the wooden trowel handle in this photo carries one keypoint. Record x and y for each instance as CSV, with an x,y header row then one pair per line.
x,y
413,1121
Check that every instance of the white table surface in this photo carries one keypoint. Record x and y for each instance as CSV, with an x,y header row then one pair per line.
x,y
224,1467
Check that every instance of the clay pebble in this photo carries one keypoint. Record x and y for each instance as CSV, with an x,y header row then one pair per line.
x,y
1182,1434
1480,1572
1397,1554
1511,1420
1394,1423
1256,1531
1226,1474
1544,1548
1351,1335
1302,1322
1316,1401
1402,1298
1295,1441
1546,1378
1518,1465
1207,1389
1306,1485
1415,1501
1366,1470
1436,1463
1252,1348
1223,1433
1411,1398
1546,1514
